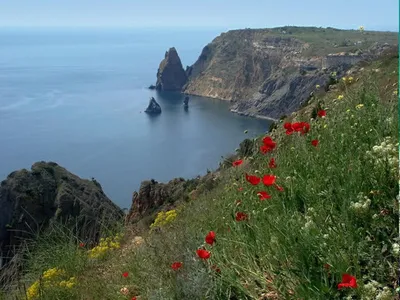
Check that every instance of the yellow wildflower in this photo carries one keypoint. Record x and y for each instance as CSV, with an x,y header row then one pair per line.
x,y
33,290
395,92
359,106
340,97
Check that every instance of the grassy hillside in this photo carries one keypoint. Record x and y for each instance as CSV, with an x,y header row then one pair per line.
x,y
332,211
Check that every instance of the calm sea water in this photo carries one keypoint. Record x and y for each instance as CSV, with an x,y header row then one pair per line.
x,y
77,97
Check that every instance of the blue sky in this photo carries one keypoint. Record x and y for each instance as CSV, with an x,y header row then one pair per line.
x,y
373,14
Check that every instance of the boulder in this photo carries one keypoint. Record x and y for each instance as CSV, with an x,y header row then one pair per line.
x,y
171,76
152,87
154,107
31,200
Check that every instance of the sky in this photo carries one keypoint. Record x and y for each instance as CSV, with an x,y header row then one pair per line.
x,y
232,14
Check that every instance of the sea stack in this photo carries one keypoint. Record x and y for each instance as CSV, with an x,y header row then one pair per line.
x,y
171,76
154,107
186,101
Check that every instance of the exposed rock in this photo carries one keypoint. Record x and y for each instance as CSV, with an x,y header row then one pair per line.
x,y
152,87
154,107
171,76
186,101
270,72
31,200
154,196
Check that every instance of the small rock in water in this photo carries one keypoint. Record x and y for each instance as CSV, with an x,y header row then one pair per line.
x,y
186,101
154,107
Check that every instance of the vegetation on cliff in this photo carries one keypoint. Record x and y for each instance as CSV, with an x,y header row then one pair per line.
x,y
310,212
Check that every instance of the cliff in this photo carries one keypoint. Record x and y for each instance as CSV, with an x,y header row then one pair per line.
x,y
31,200
171,76
270,72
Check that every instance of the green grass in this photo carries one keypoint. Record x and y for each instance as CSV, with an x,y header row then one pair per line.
x,y
284,246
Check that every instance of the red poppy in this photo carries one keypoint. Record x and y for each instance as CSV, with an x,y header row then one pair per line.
x,y
210,238
241,216
314,143
125,274
289,128
81,245
254,180
269,179
216,269
263,195
279,188
269,143
348,281
237,162
321,113
240,189
264,149
176,265
134,298
272,163
302,127
203,254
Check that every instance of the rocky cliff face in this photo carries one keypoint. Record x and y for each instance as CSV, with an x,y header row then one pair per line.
x,y
171,76
270,72
31,200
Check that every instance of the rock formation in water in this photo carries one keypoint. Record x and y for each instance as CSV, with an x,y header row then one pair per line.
x,y
270,72
31,200
154,107
171,76
152,87
186,101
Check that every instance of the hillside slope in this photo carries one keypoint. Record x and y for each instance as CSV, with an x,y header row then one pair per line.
x,y
309,213
270,72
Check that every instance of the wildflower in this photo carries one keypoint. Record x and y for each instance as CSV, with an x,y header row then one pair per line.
x,y
125,274
288,127
359,106
269,179
216,269
348,281
240,189
210,238
203,254
254,180
241,216
314,143
340,97
279,188
81,245
302,127
124,291
396,249
317,86
176,265
263,195
395,92
361,28
321,113
237,162
272,163
268,145
134,298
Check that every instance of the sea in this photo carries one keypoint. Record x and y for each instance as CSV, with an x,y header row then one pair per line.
x,y
76,96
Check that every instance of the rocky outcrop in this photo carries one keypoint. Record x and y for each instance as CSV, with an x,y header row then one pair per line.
x,y
171,76
31,200
154,196
270,72
153,108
